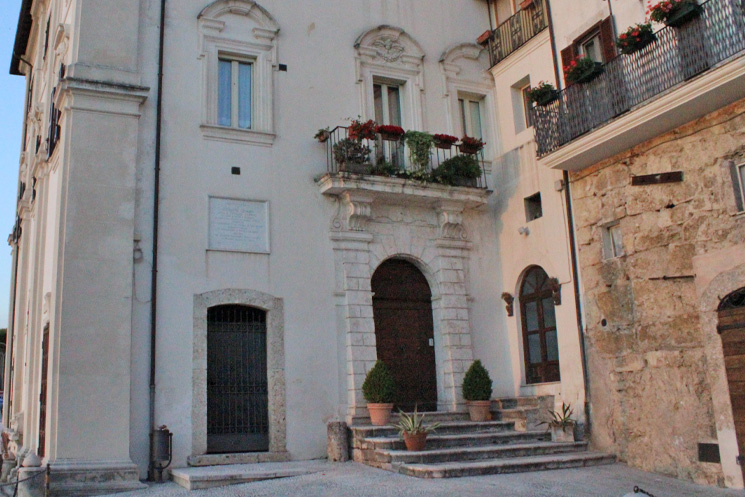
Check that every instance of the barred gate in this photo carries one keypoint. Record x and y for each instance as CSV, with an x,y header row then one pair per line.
x,y
237,386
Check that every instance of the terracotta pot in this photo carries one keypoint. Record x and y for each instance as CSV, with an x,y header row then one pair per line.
x,y
415,442
479,410
380,414
562,435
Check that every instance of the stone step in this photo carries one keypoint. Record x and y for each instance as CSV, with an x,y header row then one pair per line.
x,y
460,454
449,427
195,478
540,402
430,416
510,465
525,418
436,441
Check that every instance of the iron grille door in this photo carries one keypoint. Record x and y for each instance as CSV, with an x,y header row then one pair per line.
x,y
237,387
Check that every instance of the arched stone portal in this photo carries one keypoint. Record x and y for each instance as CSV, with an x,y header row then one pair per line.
x,y
404,332
731,328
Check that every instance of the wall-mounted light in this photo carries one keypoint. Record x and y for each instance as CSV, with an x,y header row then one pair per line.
x,y
524,230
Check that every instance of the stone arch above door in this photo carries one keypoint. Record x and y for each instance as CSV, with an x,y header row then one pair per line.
x,y
274,308
714,283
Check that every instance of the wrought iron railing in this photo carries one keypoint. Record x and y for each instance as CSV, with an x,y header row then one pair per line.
x,y
517,31
630,80
386,158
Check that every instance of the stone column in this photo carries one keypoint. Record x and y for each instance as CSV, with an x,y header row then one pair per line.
x,y
452,307
352,256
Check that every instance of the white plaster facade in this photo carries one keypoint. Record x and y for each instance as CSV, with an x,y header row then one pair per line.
x,y
85,253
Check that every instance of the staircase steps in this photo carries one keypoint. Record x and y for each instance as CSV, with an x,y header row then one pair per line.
x,y
460,454
499,466
438,441
460,447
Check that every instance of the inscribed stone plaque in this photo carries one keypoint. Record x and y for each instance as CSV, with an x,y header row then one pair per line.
x,y
238,225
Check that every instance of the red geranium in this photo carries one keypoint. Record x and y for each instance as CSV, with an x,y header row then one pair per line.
x,y
445,138
389,129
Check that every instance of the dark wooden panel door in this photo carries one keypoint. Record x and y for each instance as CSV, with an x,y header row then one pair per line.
x,y
404,332
540,335
237,385
732,329
43,392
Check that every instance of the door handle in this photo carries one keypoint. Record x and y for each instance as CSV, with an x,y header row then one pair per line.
x,y
431,342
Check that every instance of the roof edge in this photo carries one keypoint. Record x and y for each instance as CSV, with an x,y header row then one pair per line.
x,y
25,22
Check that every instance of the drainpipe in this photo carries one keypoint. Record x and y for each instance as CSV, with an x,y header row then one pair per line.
x,y
8,399
156,204
572,239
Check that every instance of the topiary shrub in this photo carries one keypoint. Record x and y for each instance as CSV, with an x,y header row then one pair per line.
x,y
477,384
379,386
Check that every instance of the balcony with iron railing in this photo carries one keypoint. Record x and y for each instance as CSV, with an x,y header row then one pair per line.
x,y
517,30
688,72
402,171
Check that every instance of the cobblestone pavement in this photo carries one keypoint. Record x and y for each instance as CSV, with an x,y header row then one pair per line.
x,y
354,480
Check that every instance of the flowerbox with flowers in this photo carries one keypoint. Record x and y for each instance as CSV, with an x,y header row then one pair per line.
x,y
359,130
635,38
674,13
470,145
444,142
582,69
389,132
543,94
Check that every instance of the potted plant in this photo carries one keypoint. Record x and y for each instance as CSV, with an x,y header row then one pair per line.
x,y
477,389
413,430
389,132
470,145
444,142
351,155
674,13
561,424
379,389
420,145
635,38
461,170
359,130
582,70
323,135
543,94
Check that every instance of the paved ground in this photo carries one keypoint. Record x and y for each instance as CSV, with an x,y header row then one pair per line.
x,y
353,480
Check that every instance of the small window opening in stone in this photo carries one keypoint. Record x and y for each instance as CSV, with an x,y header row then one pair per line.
x,y
612,241
533,207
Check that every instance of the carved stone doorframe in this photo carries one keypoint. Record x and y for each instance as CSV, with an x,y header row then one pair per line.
x,y
358,251
274,308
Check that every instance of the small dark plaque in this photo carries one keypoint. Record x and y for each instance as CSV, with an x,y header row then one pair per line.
x,y
708,453
236,171
283,67
657,179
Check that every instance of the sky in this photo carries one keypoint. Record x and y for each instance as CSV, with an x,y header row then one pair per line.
x,y
12,90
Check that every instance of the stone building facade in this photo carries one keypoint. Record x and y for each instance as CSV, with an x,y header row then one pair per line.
x,y
654,380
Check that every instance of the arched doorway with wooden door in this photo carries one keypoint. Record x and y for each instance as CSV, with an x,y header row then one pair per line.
x,y
404,332
237,383
731,328
540,335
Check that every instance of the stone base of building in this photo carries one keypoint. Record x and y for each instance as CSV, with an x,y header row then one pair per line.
x,y
80,478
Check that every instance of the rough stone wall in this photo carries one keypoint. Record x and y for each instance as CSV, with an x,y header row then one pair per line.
x,y
651,401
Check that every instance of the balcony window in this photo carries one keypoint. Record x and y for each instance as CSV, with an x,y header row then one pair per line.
x,y
470,116
387,98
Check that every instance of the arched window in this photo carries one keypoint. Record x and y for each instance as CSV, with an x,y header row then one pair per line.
x,y
540,340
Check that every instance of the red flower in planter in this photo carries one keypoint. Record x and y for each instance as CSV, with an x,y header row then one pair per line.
x,y
445,138
362,131
388,129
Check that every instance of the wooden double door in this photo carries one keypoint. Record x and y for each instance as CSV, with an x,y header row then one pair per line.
x,y
732,331
404,333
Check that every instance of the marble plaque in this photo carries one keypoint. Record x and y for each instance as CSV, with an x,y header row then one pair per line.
x,y
239,225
